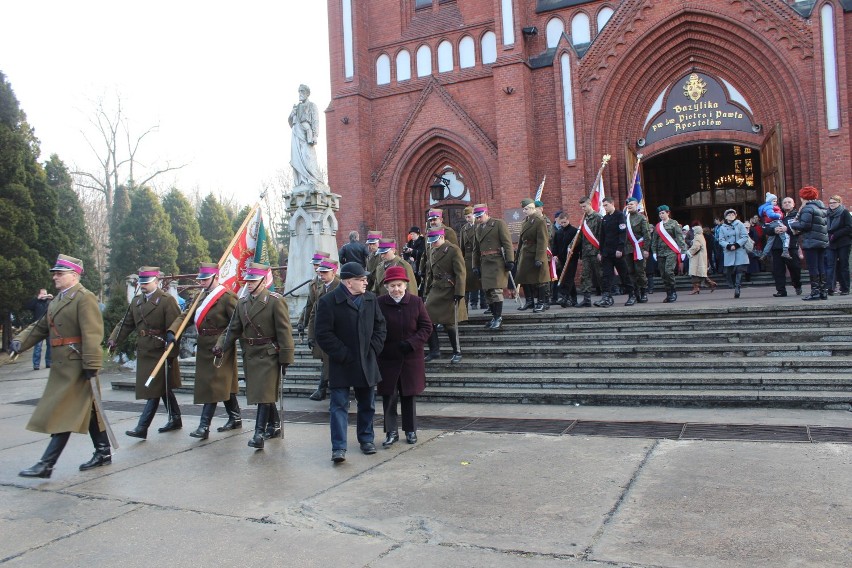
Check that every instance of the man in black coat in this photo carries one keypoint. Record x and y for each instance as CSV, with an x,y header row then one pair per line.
x,y
780,264
354,251
611,255
38,306
350,329
560,241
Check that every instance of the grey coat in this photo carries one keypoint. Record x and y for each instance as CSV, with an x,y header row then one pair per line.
x,y
735,233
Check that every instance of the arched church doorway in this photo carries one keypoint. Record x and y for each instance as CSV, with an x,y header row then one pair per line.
x,y
698,182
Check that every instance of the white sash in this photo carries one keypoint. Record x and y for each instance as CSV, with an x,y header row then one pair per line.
x,y
637,243
667,238
208,303
590,236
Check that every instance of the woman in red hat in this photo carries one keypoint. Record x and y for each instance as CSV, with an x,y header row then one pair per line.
x,y
811,224
401,361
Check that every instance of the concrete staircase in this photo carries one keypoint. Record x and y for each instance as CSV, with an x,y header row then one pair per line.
x,y
763,353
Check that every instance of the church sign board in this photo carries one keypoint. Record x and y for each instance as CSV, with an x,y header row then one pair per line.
x,y
697,102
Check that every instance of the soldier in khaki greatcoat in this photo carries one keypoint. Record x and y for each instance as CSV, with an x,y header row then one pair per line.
x,y
435,220
215,381
533,270
373,259
473,291
493,260
388,258
150,314
263,327
445,275
328,281
75,329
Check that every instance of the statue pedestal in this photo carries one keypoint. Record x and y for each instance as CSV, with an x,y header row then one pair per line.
x,y
313,226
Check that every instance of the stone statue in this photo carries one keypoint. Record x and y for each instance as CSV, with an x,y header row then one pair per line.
x,y
304,120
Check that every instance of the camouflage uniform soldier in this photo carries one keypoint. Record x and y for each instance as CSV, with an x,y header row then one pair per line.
x,y
493,260
666,244
636,248
589,246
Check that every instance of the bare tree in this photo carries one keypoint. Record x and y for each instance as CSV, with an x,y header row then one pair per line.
x,y
97,225
277,191
116,149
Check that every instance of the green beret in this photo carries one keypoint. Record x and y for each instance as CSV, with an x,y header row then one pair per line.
x,y
662,208
633,199
538,203
527,201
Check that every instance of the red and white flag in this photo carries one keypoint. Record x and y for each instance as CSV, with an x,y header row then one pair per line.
x,y
243,252
598,197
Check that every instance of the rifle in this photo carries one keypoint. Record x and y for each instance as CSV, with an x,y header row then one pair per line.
x,y
573,244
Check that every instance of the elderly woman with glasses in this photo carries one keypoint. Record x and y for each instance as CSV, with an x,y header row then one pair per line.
x,y
733,237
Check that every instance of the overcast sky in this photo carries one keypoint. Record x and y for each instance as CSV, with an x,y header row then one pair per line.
x,y
219,79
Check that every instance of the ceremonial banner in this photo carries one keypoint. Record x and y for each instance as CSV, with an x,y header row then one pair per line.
x,y
598,197
248,247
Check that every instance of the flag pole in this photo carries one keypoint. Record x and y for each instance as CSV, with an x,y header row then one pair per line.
x,y
183,325
573,245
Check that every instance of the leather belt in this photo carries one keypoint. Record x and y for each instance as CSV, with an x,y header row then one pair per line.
x,y
150,332
211,331
259,340
56,342
487,252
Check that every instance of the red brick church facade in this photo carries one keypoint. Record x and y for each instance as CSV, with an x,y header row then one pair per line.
x,y
724,100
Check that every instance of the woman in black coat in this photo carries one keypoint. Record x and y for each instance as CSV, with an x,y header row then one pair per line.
x,y
401,361
839,239
811,224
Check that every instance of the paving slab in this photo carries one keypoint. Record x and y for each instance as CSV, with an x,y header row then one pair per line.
x,y
452,556
738,505
30,520
149,536
265,484
531,493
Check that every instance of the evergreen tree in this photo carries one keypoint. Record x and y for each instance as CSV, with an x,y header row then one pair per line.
x,y
71,222
147,237
215,226
119,212
192,248
23,268
239,218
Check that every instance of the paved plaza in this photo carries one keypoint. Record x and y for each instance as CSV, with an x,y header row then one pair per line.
x,y
456,498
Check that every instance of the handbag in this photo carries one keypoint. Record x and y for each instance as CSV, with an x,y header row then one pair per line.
x,y
749,245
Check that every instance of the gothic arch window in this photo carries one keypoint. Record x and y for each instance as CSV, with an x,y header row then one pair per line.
x,y
383,72
467,52
489,48
424,61
580,31
403,65
445,57
603,17
555,28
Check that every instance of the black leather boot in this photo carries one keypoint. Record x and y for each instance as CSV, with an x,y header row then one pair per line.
x,y
497,310
174,422
322,390
585,303
102,455
259,426
434,346
44,467
528,294
643,296
235,421
273,424
815,290
141,430
203,430
823,288
738,280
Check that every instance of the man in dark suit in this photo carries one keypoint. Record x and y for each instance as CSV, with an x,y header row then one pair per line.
x,y
350,329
